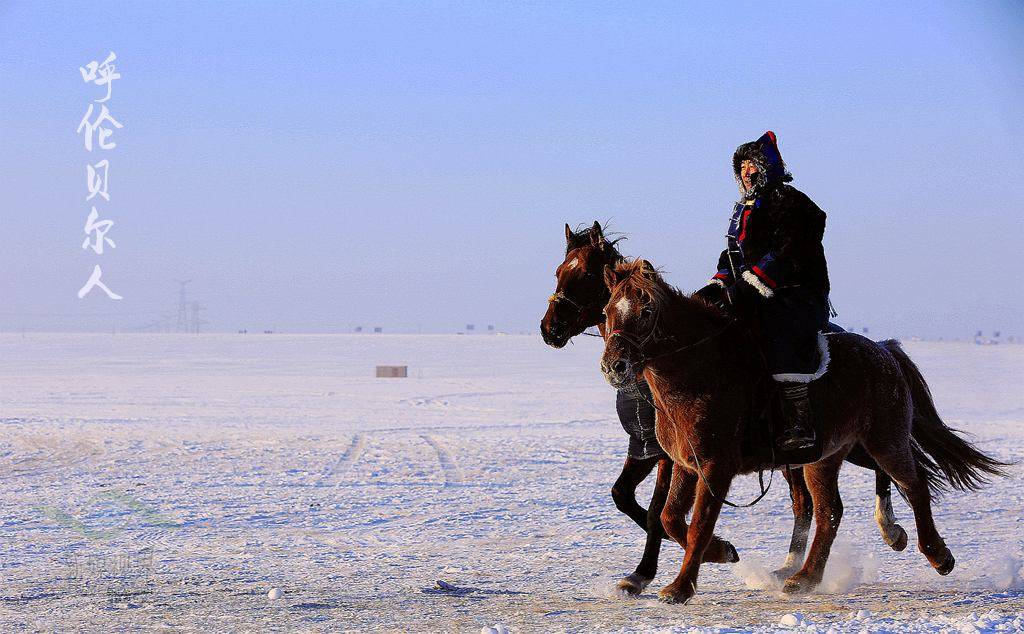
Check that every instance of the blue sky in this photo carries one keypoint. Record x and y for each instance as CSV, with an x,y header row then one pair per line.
x,y
316,166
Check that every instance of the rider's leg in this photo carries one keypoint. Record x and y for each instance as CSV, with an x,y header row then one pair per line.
x,y
636,414
796,410
792,319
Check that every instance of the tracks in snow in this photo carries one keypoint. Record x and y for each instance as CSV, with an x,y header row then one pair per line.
x,y
452,474
345,461
334,473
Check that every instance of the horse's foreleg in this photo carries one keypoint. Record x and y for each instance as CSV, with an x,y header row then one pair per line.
x,y
892,533
700,533
673,518
802,512
823,483
634,471
643,575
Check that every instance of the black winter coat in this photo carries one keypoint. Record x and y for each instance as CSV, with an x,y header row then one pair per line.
x,y
775,233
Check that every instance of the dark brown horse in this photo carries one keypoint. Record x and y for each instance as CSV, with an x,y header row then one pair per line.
x,y
577,304
705,379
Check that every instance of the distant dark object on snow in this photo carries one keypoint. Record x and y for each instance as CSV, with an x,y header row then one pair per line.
x,y
392,371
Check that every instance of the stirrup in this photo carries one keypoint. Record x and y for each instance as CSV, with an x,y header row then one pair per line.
x,y
790,442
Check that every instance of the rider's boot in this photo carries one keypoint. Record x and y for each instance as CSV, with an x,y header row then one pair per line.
x,y
796,411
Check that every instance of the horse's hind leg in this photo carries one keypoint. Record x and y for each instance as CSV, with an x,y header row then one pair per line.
x,y
823,482
901,466
634,471
802,512
635,582
892,533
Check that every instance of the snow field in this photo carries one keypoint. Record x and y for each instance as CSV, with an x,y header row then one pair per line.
x,y
270,482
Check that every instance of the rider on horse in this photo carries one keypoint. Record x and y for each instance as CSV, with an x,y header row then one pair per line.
x,y
773,270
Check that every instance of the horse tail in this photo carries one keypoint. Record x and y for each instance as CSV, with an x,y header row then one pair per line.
x,y
944,458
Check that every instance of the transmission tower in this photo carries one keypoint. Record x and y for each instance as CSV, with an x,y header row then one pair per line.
x,y
197,322
182,307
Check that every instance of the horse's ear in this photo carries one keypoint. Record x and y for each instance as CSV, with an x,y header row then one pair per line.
x,y
610,277
647,266
596,235
568,234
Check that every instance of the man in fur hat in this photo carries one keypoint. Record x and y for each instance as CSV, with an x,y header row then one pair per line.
x,y
773,270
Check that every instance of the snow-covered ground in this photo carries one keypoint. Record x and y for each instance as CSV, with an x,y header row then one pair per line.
x,y
173,481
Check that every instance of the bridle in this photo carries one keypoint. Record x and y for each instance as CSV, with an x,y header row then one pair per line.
x,y
562,297
652,336
581,309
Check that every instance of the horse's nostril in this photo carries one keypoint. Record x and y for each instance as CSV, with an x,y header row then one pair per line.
x,y
619,367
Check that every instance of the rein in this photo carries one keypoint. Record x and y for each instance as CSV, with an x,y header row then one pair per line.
x,y
653,335
639,344
703,478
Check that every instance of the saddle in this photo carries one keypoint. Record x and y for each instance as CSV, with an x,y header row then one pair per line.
x,y
759,442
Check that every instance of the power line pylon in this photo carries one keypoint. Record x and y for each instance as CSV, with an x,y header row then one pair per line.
x,y
197,322
182,307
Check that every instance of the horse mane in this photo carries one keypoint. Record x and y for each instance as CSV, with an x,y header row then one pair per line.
x,y
581,238
640,276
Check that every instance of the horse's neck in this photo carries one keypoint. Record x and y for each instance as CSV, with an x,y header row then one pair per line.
x,y
600,324
715,365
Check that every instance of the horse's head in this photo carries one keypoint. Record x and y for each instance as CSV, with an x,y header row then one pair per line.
x,y
635,320
580,293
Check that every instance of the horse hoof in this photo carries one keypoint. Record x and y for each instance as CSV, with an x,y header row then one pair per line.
x,y
900,543
946,566
671,595
725,553
798,584
633,584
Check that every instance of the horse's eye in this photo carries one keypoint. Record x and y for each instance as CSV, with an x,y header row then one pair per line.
x,y
645,312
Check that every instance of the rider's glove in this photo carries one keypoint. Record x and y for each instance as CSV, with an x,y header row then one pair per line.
x,y
716,295
738,296
712,293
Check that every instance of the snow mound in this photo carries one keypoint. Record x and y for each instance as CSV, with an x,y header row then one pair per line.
x,y
793,620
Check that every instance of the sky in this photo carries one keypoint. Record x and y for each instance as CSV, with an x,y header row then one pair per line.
x,y
313,167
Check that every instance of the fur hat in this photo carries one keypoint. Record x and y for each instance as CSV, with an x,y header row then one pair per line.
x,y
764,152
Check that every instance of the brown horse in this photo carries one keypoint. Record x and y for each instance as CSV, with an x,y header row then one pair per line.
x,y
705,381
577,304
